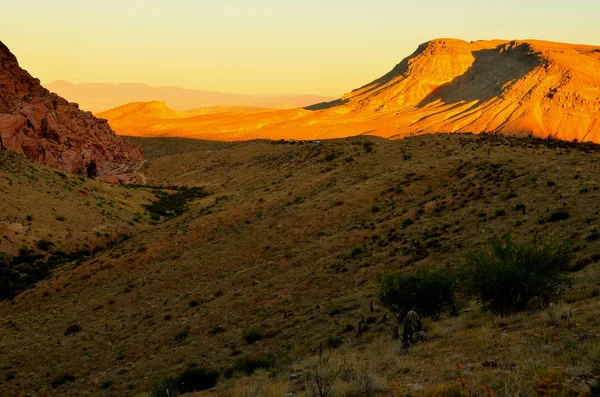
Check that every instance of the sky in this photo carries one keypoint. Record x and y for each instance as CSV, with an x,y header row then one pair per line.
x,y
264,47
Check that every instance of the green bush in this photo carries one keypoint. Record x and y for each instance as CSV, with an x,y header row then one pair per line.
x,y
428,292
45,245
248,366
191,380
172,205
253,336
507,277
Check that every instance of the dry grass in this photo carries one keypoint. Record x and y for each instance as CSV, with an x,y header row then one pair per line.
x,y
73,212
272,250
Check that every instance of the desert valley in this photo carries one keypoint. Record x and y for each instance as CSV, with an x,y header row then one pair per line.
x,y
435,232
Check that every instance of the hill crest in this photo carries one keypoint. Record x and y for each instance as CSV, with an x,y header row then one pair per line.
x,y
517,87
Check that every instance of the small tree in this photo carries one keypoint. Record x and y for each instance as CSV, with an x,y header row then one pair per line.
x,y
507,277
427,292
92,169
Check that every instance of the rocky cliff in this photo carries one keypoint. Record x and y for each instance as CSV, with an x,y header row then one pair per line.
x,y
47,128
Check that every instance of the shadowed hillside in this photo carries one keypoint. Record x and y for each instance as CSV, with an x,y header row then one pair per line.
x,y
282,258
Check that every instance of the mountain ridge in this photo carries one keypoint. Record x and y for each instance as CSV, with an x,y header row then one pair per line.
x,y
517,87
99,97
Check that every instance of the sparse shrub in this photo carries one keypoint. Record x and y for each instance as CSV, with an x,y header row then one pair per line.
x,y
61,380
334,342
191,380
356,252
507,277
92,169
253,336
331,156
45,245
335,311
193,303
181,336
248,366
172,205
428,292
375,208
72,329
595,389
407,222
558,216
106,384
216,329
61,218
368,146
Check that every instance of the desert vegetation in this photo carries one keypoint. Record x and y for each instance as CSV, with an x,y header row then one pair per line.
x,y
277,294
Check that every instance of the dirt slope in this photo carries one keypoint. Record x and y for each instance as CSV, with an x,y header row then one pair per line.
x,y
274,249
447,85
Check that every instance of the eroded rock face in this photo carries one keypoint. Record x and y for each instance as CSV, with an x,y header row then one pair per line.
x,y
47,128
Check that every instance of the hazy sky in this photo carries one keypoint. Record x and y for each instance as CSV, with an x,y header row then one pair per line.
x,y
264,46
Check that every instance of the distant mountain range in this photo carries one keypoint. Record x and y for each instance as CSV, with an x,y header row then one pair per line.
x,y
97,97
446,85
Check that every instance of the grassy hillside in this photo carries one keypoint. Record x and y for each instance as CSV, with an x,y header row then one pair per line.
x,y
282,259
71,211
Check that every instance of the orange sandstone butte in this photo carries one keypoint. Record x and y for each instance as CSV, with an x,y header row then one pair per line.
x,y
446,85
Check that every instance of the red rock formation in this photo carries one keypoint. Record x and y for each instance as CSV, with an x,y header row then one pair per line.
x,y
47,128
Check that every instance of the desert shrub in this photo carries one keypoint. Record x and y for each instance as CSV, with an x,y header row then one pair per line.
x,y
61,380
428,292
407,222
92,169
334,342
45,245
172,205
191,380
181,336
72,329
595,389
507,277
248,366
253,336
558,216
356,252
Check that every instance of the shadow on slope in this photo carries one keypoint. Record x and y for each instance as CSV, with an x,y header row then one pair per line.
x,y
491,71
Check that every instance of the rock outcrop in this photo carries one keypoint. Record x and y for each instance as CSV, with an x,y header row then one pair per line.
x,y
47,128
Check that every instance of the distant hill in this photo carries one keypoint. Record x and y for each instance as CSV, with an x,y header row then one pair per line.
x,y
446,85
97,97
